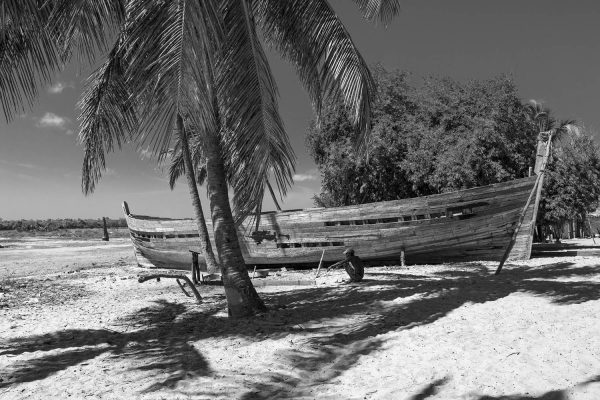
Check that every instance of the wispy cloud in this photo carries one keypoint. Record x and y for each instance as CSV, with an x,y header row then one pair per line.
x,y
51,120
20,165
58,87
310,175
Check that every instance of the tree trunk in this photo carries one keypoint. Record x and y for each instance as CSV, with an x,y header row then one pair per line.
x,y
273,196
242,299
209,257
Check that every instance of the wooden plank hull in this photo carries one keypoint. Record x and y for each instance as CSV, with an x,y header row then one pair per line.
x,y
466,225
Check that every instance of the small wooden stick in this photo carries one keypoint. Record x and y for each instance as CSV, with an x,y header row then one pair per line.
x,y
591,233
254,272
145,278
320,263
182,287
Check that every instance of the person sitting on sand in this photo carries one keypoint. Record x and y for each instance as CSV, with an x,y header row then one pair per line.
x,y
353,265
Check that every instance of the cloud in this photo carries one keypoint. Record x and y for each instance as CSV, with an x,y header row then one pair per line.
x,y
58,87
310,175
20,165
51,120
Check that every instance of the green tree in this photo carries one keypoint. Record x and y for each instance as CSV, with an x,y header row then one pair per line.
x,y
203,61
439,136
572,187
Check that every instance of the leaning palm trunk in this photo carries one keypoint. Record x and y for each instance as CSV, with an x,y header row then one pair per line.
x,y
242,299
211,264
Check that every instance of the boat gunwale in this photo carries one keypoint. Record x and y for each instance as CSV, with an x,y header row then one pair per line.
x,y
349,207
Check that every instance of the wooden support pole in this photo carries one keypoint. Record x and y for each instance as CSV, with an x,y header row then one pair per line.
x,y
320,263
105,237
402,257
535,191
195,268
519,223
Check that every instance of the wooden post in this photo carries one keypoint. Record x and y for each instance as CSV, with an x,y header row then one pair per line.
x,y
540,168
402,257
530,170
320,263
195,268
105,237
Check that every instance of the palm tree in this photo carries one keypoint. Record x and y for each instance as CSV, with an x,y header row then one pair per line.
x,y
551,132
189,168
204,61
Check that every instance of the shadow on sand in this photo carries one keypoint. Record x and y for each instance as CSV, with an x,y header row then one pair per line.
x,y
329,347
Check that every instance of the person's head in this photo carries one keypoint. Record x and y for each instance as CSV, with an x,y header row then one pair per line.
x,y
349,252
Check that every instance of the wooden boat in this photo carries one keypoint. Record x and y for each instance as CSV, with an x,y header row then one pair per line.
x,y
471,224
493,222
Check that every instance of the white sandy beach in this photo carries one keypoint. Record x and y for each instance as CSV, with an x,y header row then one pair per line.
x,y
75,323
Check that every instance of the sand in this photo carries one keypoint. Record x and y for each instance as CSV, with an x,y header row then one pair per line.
x,y
75,323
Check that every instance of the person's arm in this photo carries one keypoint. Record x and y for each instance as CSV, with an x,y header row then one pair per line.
x,y
337,264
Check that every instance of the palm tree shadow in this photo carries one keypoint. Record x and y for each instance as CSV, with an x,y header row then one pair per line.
x,y
338,325
552,395
161,345
430,390
379,307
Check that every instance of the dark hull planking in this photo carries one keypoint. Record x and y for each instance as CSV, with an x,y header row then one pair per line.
x,y
467,225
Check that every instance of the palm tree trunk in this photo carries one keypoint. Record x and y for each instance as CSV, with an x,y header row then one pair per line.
x,y
209,257
242,299
273,196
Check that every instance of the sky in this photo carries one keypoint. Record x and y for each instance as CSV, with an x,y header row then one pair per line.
x,y
551,48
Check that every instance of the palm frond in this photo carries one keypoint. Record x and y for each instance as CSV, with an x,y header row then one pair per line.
x,y
177,162
539,115
309,34
567,129
28,55
255,141
170,45
379,10
107,116
86,26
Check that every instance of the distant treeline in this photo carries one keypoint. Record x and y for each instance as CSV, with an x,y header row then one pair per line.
x,y
48,225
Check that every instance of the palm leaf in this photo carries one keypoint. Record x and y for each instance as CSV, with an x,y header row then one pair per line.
x,y
107,116
309,34
382,10
28,55
255,141
170,45
177,162
85,26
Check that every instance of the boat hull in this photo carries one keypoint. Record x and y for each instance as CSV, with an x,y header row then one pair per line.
x,y
466,225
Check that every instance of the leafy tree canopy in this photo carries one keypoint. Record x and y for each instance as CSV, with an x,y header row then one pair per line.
x,y
572,185
439,136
